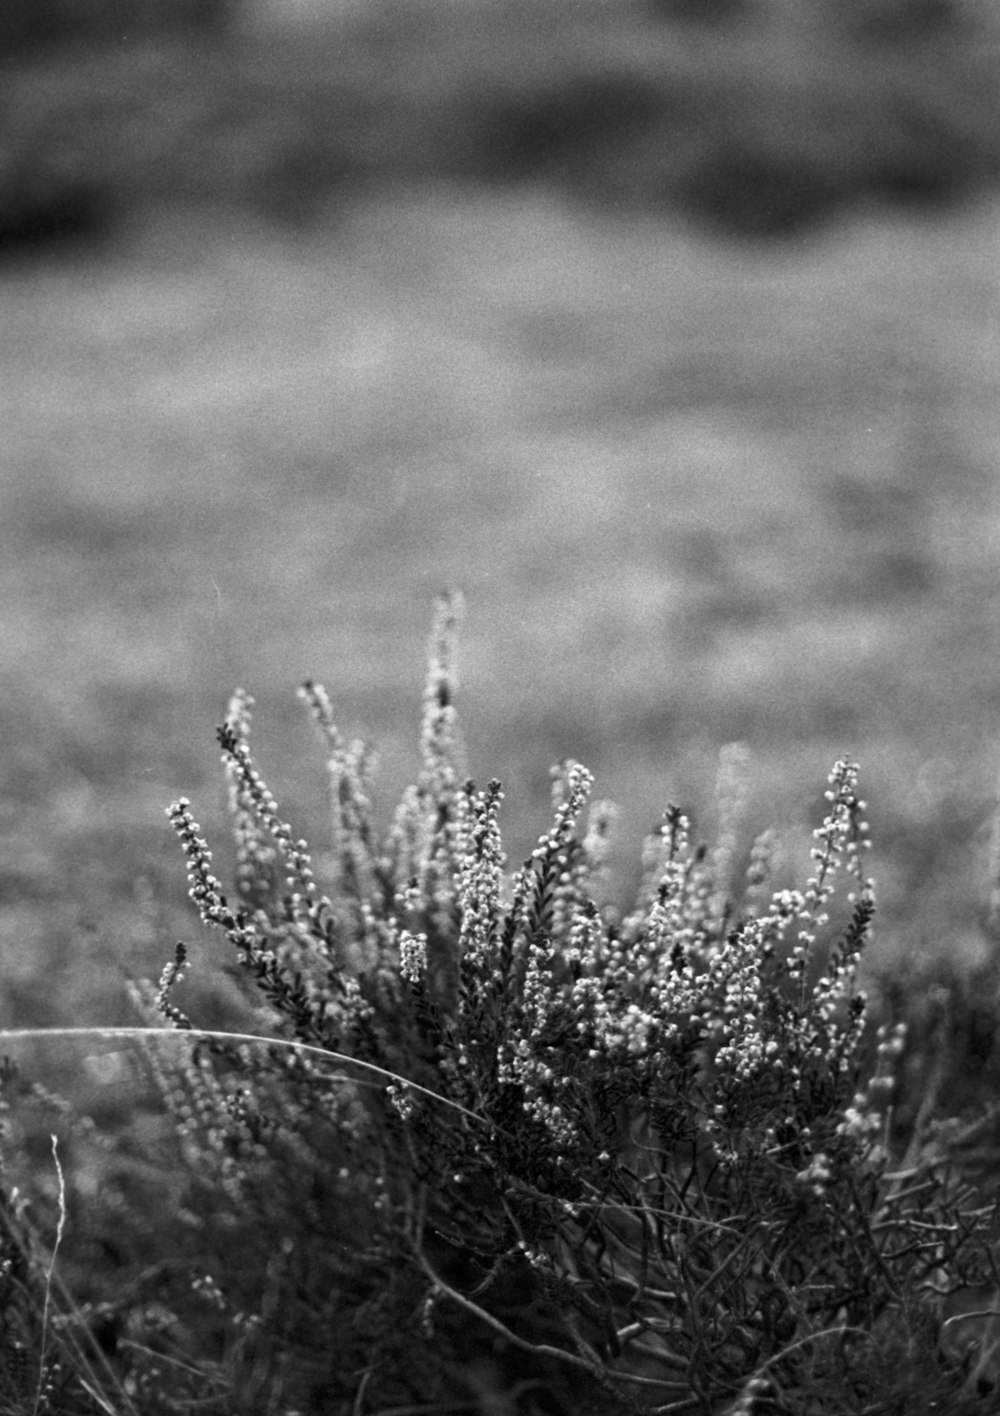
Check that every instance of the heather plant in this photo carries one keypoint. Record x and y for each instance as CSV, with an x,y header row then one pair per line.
x,y
636,1146
480,1135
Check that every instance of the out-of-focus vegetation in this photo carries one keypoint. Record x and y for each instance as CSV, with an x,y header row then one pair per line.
x,y
755,115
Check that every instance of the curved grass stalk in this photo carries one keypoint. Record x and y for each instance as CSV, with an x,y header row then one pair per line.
x,y
23,1034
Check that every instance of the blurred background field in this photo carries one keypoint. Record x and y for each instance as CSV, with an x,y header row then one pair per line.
x,y
668,332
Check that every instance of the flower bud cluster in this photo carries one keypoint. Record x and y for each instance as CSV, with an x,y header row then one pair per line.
x,y
480,880
254,799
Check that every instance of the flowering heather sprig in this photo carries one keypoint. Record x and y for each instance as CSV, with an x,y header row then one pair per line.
x,y
666,923
521,1061
294,995
562,854
204,887
254,797
836,1003
864,1119
430,824
547,887
349,771
571,785
172,975
413,956
839,836
734,974
255,853
202,1113
480,882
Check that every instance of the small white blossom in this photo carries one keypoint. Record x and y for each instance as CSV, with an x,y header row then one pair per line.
x,y
412,956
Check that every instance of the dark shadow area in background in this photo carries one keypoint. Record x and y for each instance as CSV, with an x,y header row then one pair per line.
x,y
753,117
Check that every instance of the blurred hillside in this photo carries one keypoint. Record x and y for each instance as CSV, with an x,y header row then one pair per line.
x,y
758,116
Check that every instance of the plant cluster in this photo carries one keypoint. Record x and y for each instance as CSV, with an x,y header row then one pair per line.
x,y
636,1146
485,1137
